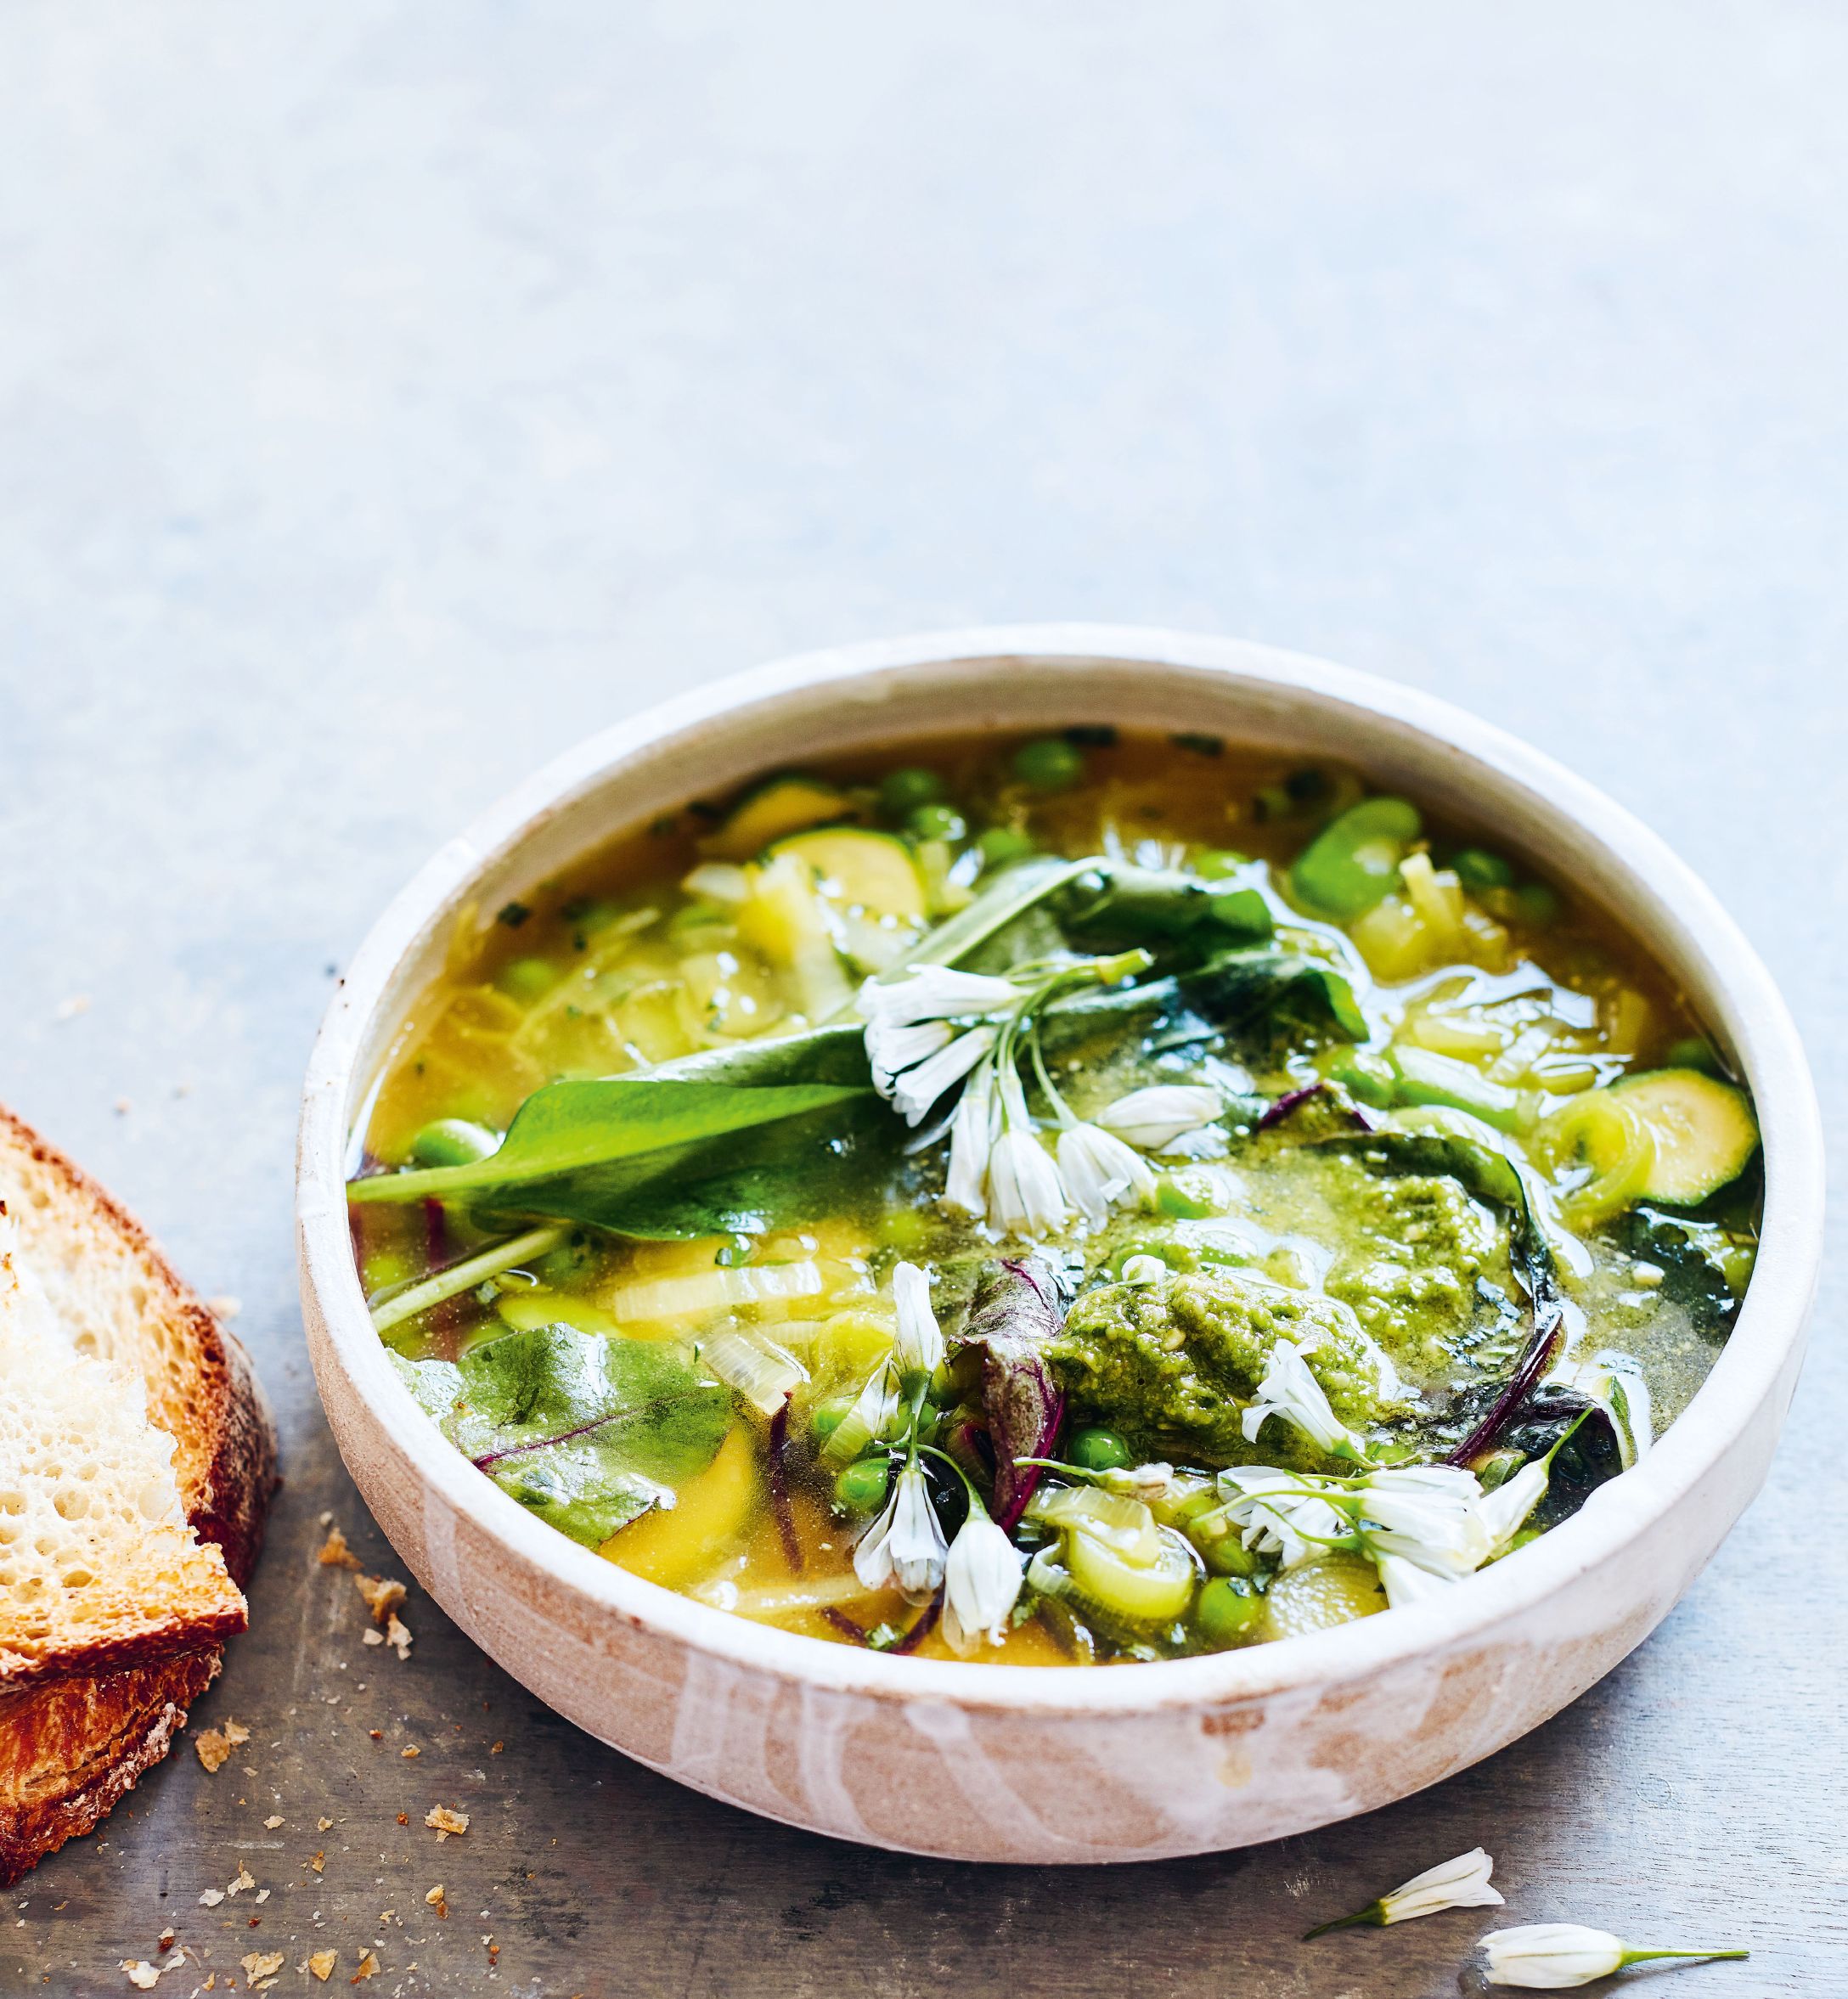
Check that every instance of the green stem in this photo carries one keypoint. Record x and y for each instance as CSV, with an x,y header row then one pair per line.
x,y
1632,1957
464,1276
1373,1915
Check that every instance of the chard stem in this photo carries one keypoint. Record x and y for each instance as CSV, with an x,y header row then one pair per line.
x,y
464,1276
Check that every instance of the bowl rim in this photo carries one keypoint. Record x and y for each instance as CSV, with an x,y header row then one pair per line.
x,y
1771,1324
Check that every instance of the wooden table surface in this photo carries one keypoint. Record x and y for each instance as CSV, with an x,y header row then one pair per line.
x,y
390,394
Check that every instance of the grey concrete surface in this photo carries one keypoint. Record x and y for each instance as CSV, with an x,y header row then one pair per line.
x,y
392,393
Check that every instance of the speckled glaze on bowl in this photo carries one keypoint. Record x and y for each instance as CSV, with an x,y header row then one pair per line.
x,y
995,1763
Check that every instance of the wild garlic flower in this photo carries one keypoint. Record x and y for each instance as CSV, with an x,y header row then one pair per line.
x,y
1420,1525
1551,1957
1025,1195
1505,1509
905,1547
919,1347
971,1138
1613,1382
1291,1391
1461,1884
916,1055
1100,1172
1282,1513
981,1582
1156,1116
1430,1514
1144,1272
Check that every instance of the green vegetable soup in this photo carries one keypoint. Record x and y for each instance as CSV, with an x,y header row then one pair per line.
x,y
1051,1201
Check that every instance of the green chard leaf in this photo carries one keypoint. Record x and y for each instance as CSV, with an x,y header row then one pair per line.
x,y
587,1431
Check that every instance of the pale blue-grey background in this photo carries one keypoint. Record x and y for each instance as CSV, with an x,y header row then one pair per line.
x,y
391,393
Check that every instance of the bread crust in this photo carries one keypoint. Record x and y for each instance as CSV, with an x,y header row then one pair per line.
x,y
75,1735
70,1750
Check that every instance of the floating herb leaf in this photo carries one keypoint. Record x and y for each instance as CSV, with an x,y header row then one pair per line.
x,y
1154,906
661,1155
1695,1257
1229,993
587,1432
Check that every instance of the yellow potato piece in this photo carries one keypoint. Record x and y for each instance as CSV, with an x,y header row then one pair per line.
x,y
674,1546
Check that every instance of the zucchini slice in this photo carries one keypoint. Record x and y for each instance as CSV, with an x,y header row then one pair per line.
x,y
784,805
859,870
1703,1131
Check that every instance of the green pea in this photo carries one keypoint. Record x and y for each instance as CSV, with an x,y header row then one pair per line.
x,y
1225,1554
1095,1448
1215,861
1227,1614
1001,844
1050,763
862,1486
1476,868
902,791
527,979
453,1142
827,1417
1353,863
1538,905
936,822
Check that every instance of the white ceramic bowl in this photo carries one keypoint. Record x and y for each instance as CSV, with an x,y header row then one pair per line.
x,y
995,1763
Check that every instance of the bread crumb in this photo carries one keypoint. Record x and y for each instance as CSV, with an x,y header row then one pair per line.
x,y
271,1823
319,1860
383,1594
446,1821
262,1895
235,1732
324,1825
434,1900
322,1963
141,1974
260,1969
403,1818
412,1751
497,1748
245,1879
224,1307
334,1551
213,1750
211,1898
372,1635
165,1940
369,1967
398,1638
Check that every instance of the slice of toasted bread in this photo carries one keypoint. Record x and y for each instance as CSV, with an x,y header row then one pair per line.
x,y
137,1460
119,1299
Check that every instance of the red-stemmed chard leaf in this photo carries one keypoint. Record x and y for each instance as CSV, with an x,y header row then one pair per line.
x,y
1019,1304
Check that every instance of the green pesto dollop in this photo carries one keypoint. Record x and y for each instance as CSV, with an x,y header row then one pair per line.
x,y
1175,1366
1414,1246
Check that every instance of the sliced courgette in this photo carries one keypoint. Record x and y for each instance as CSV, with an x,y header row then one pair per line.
x,y
859,870
1703,1131
784,805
